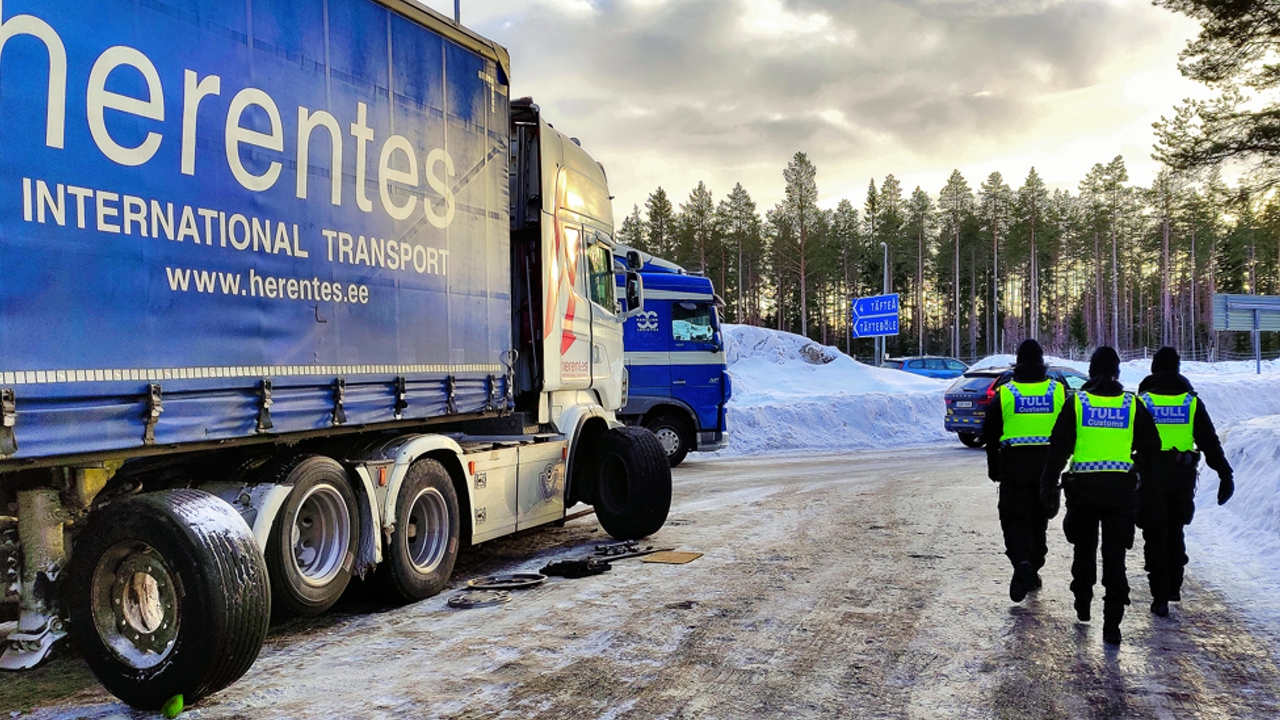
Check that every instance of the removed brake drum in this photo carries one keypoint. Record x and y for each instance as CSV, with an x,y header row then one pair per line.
x,y
507,581
478,598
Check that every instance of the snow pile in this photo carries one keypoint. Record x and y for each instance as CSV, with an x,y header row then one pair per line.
x,y
793,395
1238,544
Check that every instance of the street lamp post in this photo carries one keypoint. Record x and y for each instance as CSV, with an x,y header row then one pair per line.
x,y
880,341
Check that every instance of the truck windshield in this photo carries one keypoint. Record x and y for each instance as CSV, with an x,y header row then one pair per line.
x,y
692,322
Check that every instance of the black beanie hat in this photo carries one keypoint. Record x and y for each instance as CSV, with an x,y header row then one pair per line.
x,y
1105,363
1166,360
1029,353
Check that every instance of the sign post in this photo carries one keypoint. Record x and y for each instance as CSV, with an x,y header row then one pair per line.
x,y
1252,313
875,316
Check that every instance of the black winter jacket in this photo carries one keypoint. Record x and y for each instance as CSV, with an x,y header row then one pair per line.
x,y
1062,442
993,423
1206,437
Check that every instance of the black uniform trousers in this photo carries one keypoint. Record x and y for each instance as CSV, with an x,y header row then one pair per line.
x,y
1166,502
1100,501
1022,520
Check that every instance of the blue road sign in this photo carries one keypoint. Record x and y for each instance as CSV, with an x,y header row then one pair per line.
x,y
875,326
875,316
877,306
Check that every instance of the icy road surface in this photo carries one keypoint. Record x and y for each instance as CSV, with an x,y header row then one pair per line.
x,y
867,585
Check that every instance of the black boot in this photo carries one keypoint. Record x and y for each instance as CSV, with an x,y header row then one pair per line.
x,y
1082,608
1111,615
1022,582
1160,608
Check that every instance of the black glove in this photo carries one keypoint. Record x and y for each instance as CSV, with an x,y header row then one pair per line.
x,y
1226,488
1049,499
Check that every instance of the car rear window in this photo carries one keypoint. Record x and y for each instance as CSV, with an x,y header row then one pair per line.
x,y
971,384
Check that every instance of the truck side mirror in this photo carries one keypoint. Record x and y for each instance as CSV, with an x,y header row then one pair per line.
x,y
719,341
634,260
634,294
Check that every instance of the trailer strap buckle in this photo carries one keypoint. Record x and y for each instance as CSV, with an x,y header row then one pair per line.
x,y
451,388
264,406
494,401
155,406
8,419
339,399
402,396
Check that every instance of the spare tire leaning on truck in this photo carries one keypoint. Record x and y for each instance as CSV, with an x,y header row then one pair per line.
x,y
169,596
633,483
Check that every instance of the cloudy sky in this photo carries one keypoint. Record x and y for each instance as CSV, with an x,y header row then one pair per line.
x,y
670,92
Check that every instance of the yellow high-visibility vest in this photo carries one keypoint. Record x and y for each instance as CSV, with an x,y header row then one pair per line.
x,y
1104,433
1029,411
1173,415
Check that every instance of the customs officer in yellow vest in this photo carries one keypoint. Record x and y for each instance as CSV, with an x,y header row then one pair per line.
x,y
1166,497
1016,433
1104,431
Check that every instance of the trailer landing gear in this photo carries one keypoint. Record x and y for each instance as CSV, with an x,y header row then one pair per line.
x,y
40,537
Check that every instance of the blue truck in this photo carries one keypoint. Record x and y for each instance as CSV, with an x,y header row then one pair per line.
x,y
291,292
676,362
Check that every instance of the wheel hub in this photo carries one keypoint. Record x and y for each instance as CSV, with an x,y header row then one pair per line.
x,y
670,440
320,535
136,605
427,534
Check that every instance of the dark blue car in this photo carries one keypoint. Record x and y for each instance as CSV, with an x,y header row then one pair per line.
x,y
968,397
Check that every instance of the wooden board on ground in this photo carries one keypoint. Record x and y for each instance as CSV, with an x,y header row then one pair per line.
x,y
672,557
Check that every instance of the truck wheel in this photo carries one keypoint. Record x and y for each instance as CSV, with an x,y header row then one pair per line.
x,y
314,538
424,544
169,595
972,440
674,435
633,483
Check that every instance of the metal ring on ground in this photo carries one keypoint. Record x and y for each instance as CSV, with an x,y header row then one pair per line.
x,y
507,581
479,598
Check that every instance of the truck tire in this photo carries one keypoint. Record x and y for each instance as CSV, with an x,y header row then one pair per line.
x,y
633,483
973,440
168,596
315,537
424,544
674,435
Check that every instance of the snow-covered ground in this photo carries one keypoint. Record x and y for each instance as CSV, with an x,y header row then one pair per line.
x,y
791,395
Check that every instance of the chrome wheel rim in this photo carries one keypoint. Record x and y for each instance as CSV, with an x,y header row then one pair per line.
x,y
320,535
427,530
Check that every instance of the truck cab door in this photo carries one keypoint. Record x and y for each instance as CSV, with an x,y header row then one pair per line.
x,y
606,326
648,343
697,360
567,325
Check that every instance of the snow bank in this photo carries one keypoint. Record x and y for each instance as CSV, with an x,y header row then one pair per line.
x,y
1237,545
791,394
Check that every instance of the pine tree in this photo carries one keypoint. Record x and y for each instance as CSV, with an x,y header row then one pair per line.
x,y
1237,50
661,225
697,232
801,208
1031,205
921,225
740,224
995,208
631,232
956,203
